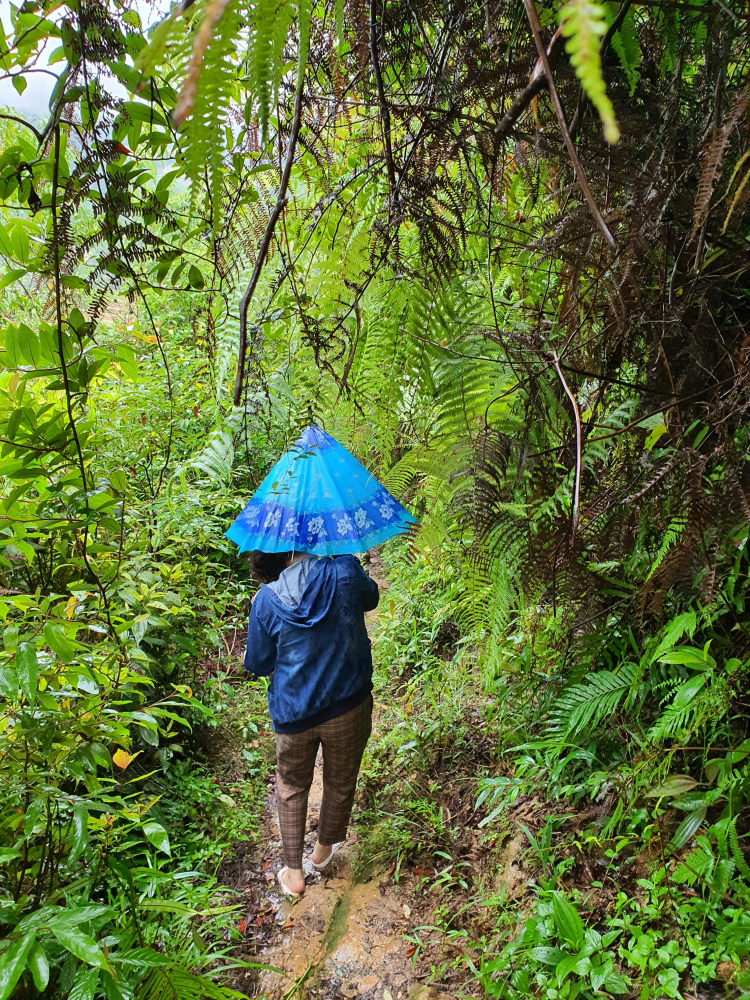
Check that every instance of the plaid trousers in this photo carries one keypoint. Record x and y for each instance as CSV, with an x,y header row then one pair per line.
x,y
344,739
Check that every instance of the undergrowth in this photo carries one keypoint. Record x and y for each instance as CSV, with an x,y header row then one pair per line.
x,y
592,835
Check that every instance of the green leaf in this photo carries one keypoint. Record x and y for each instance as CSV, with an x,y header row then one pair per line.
x,y
8,684
111,990
119,480
81,945
689,827
10,638
12,964
80,831
39,967
59,86
548,956
166,906
615,983
10,276
32,921
157,835
599,974
27,669
58,642
569,925
686,656
583,24
84,986
688,691
73,281
195,277
675,784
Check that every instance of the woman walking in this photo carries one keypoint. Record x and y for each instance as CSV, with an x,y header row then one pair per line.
x,y
307,631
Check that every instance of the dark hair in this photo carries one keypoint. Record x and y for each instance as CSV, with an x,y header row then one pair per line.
x,y
265,567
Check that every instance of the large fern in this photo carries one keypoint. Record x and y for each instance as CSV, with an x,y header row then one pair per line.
x,y
589,703
177,983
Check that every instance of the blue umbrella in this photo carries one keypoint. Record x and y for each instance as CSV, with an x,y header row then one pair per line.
x,y
319,499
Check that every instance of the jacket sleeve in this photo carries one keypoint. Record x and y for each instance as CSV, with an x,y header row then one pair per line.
x,y
260,654
370,592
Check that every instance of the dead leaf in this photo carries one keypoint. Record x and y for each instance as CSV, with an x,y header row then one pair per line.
x,y
407,910
410,951
287,925
392,869
241,926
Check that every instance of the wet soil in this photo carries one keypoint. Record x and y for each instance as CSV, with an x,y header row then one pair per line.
x,y
343,938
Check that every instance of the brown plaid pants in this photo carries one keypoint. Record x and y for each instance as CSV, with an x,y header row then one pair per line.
x,y
344,739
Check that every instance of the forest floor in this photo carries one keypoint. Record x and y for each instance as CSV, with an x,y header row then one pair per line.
x,y
348,935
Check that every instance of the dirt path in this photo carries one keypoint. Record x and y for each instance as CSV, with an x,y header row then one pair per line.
x,y
344,937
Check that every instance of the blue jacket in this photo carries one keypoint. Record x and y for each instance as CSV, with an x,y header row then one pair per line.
x,y
317,651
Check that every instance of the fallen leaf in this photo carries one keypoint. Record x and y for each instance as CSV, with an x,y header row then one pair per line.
x,y
241,926
407,910
392,869
287,925
417,870
259,921
410,951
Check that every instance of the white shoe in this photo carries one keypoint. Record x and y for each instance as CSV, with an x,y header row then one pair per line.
x,y
284,886
322,864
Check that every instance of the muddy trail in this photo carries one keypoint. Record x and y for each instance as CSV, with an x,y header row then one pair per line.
x,y
347,936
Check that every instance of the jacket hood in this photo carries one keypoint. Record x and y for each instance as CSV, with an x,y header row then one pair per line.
x,y
315,601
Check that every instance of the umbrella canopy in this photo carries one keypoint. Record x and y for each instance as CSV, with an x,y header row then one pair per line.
x,y
319,499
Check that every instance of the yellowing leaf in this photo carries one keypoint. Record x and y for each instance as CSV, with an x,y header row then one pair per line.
x,y
121,758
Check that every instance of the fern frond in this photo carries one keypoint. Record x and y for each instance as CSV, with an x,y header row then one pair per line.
x,y
673,534
186,99
625,45
176,983
149,58
583,24
711,159
680,714
268,33
737,853
216,456
587,704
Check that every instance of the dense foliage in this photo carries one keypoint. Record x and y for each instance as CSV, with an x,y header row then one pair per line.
x,y
500,251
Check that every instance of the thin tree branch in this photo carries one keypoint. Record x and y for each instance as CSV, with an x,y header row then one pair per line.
x,y
579,446
266,242
536,30
385,113
614,28
13,118
524,99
